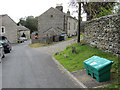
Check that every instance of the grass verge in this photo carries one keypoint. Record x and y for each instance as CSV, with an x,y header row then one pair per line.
x,y
74,61
36,45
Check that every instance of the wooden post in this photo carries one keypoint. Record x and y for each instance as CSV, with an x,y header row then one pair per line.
x,y
79,21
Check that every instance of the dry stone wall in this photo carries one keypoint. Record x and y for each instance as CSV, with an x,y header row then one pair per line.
x,y
104,33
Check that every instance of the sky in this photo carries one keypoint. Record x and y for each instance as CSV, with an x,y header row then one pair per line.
x,y
17,9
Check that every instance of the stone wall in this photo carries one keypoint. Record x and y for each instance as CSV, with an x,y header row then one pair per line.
x,y
35,41
104,33
45,40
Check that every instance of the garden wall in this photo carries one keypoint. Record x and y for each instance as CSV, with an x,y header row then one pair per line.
x,y
104,33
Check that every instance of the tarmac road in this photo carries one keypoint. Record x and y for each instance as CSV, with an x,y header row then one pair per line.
x,y
26,67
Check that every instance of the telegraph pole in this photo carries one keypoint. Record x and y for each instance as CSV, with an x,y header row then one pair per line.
x,y
79,21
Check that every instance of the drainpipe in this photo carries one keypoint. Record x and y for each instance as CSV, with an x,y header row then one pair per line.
x,y
64,24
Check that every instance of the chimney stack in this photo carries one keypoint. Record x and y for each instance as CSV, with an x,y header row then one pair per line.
x,y
59,7
68,13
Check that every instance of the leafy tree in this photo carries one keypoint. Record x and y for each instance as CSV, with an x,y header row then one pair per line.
x,y
30,22
22,22
93,9
118,10
105,11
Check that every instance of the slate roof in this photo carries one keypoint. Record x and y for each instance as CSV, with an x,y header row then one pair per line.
x,y
53,31
22,28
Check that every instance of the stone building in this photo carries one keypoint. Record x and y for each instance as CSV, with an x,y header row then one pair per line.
x,y
0,23
53,23
72,24
8,28
22,29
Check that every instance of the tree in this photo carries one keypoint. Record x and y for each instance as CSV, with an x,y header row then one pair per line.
x,y
105,11
94,8
29,22
22,22
118,10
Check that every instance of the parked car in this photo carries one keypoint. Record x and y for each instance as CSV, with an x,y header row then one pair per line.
x,y
6,44
2,54
22,39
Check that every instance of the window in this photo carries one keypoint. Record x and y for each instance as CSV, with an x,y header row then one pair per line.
x,y
2,30
51,16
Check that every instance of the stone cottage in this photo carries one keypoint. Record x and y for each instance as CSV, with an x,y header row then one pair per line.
x,y
53,23
8,28
22,29
0,23
72,24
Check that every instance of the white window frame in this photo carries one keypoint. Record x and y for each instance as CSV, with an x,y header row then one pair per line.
x,y
1,30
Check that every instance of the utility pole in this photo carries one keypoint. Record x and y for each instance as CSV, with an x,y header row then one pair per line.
x,y
79,21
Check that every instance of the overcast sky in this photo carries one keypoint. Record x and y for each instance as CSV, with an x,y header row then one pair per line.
x,y
21,8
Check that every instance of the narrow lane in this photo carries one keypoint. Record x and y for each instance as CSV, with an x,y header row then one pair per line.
x,y
25,67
